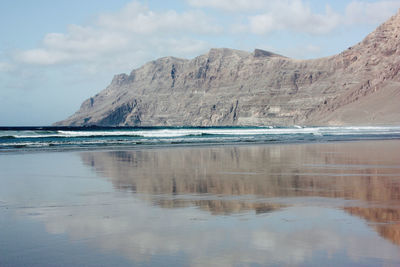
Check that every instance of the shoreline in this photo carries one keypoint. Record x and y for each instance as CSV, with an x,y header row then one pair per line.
x,y
180,145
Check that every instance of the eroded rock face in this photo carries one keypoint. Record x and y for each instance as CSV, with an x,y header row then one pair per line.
x,y
360,86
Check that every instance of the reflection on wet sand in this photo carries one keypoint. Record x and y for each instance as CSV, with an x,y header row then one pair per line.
x,y
234,179
334,204
386,221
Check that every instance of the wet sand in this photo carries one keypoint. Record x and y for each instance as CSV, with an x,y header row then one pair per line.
x,y
296,204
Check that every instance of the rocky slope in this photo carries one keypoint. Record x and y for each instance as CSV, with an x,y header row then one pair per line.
x,y
360,86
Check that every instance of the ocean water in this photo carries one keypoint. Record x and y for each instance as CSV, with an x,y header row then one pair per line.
x,y
53,138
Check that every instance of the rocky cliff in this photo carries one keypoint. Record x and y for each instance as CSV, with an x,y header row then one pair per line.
x,y
360,86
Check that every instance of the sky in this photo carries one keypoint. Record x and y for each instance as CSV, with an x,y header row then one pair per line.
x,y
56,54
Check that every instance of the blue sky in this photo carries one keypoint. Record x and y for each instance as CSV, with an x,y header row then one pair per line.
x,y
56,54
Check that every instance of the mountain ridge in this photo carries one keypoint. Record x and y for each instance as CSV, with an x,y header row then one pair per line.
x,y
359,86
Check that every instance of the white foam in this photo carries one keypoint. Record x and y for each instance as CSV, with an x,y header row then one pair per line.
x,y
171,133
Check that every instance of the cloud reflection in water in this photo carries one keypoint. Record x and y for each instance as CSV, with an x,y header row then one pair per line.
x,y
279,204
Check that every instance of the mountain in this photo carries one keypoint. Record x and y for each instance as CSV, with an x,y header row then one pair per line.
x,y
360,86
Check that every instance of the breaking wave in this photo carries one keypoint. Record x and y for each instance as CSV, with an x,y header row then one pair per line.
x,y
14,138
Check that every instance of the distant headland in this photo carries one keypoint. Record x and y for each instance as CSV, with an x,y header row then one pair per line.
x,y
360,86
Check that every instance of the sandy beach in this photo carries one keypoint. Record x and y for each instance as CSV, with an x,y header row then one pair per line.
x,y
315,204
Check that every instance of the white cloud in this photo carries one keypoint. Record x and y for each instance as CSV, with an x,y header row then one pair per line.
x,y
136,18
84,39
232,5
302,51
264,17
312,48
360,12
5,66
268,16
41,56
78,44
129,34
293,15
136,34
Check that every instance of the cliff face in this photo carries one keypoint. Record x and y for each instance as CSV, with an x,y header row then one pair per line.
x,y
360,86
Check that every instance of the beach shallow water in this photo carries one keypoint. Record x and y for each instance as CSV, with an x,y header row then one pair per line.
x,y
330,204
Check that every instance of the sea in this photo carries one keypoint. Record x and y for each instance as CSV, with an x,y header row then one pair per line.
x,y
63,138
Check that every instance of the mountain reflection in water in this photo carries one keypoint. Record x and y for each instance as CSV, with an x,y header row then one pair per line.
x,y
233,179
